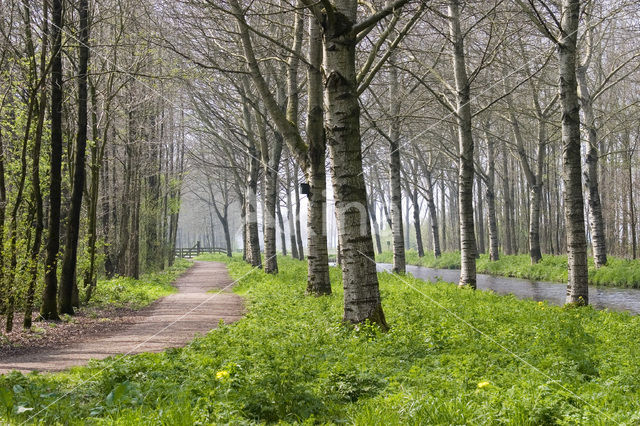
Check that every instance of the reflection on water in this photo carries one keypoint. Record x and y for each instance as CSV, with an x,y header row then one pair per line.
x,y
617,299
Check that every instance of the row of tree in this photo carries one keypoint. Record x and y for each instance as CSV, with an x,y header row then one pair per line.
x,y
479,110
91,152
476,109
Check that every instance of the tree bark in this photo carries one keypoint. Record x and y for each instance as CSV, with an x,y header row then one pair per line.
x,y
342,125
318,281
494,253
480,210
3,207
507,206
48,308
444,215
67,279
466,147
296,192
270,162
416,222
292,226
632,210
433,214
376,227
283,235
577,288
596,220
252,238
395,182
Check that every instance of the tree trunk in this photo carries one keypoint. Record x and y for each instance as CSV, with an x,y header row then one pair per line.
x,y
416,222
3,207
318,280
577,288
431,205
535,203
494,254
376,227
480,210
407,228
292,226
227,237
507,206
632,210
49,309
97,155
466,171
36,191
283,235
252,238
270,162
444,215
296,192
342,125
11,284
395,183
596,221
67,279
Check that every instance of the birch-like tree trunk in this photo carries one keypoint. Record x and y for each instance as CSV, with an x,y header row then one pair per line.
x,y
318,281
494,253
395,182
283,235
465,138
310,156
431,205
416,221
507,206
374,223
577,287
596,220
342,125
443,205
480,213
252,237
296,193
270,154
290,221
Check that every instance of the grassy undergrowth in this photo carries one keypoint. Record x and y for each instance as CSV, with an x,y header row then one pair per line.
x,y
128,292
292,360
618,272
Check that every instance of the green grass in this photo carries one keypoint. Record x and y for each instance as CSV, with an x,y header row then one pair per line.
x,y
292,360
122,292
618,272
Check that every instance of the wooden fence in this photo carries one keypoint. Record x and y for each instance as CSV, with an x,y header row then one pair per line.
x,y
196,251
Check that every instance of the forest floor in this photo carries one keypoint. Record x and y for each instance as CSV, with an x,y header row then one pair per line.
x,y
169,322
451,356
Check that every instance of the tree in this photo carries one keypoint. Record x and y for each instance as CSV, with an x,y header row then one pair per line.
x,y
67,280
49,309
565,36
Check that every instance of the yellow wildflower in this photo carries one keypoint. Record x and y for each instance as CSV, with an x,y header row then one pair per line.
x,y
482,385
221,375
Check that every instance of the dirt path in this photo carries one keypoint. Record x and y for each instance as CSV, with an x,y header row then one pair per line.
x,y
171,322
